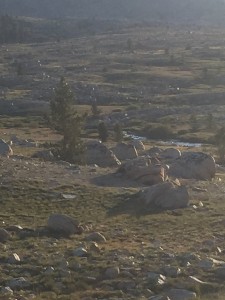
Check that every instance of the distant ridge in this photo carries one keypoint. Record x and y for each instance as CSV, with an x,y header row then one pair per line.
x,y
175,11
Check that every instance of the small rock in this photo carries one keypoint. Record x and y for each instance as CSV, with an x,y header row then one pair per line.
x,y
14,259
112,272
4,235
80,252
171,271
96,237
94,247
49,270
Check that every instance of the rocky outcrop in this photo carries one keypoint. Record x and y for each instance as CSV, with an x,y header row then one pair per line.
x,y
196,165
5,149
143,171
97,153
167,195
125,151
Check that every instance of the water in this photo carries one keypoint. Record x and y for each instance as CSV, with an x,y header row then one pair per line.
x,y
170,142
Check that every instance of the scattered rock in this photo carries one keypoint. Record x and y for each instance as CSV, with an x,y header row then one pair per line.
x,y
165,195
63,224
96,237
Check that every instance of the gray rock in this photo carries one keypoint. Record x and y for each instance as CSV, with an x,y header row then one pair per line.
x,y
49,270
125,151
5,149
97,153
138,145
170,153
196,165
14,259
80,252
96,237
63,224
156,279
142,170
171,271
181,294
220,272
18,283
112,273
166,195
44,155
4,235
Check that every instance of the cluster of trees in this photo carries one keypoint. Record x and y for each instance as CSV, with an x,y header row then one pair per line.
x,y
66,120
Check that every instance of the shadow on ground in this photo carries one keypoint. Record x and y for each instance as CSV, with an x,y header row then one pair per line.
x,y
114,180
132,206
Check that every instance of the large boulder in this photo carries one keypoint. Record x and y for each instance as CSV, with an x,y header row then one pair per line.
x,y
138,145
196,165
63,224
166,195
5,149
170,153
143,171
125,151
97,153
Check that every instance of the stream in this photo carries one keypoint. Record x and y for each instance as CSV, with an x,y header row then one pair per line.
x,y
169,142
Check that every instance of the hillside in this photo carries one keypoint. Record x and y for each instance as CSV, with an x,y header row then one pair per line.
x,y
201,11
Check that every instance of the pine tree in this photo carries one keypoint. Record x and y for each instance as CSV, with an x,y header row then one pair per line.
x,y
103,132
66,120
61,105
118,133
